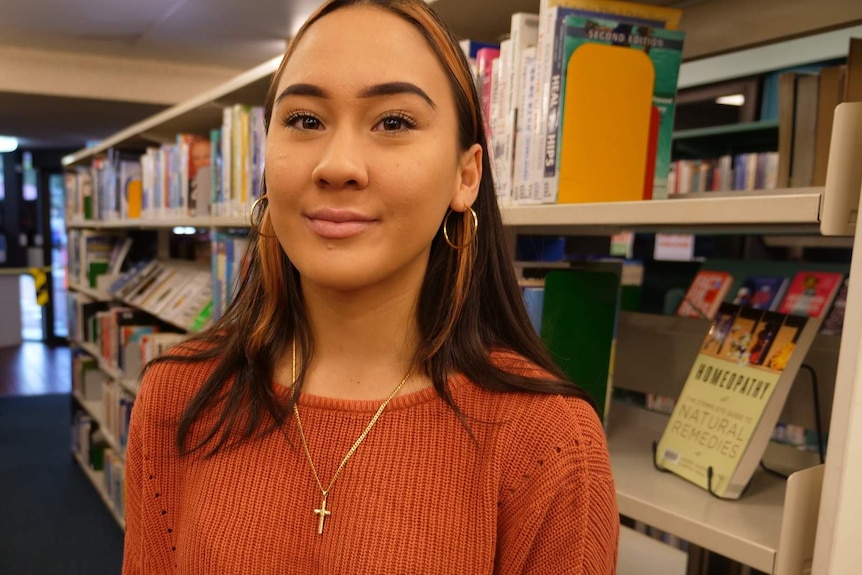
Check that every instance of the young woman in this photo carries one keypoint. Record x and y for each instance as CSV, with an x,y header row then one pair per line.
x,y
375,399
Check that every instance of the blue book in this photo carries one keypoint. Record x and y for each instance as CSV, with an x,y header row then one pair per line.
x,y
534,298
761,292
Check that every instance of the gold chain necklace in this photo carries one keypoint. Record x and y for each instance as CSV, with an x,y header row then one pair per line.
x,y
323,512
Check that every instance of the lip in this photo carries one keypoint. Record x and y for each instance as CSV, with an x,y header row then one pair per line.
x,y
337,224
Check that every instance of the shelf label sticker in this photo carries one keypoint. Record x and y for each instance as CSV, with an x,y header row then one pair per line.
x,y
622,244
674,247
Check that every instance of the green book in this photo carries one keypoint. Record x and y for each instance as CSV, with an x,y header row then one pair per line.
x,y
579,320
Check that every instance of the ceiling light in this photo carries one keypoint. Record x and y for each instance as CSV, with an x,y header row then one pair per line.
x,y
8,144
732,100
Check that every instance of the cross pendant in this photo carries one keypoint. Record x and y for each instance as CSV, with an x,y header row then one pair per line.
x,y
323,512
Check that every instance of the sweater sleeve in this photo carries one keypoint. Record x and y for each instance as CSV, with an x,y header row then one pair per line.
x,y
132,552
560,512
148,540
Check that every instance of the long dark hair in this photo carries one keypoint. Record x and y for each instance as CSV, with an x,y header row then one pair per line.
x,y
470,304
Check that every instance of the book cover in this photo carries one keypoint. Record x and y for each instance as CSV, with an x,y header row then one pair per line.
x,y
761,292
834,321
534,297
705,294
617,109
579,320
811,293
552,67
733,396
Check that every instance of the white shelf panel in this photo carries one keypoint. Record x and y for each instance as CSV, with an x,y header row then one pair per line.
x,y
640,554
195,114
163,223
746,530
93,293
795,210
97,478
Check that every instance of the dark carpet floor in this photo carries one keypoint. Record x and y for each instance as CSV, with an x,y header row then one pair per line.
x,y
52,521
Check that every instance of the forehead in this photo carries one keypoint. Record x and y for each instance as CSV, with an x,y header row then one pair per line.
x,y
363,45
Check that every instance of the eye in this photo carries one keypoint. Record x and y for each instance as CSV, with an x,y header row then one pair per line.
x,y
395,122
305,121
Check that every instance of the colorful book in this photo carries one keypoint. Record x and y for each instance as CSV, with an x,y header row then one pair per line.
x,y
617,74
761,292
834,322
705,294
811,293
730,403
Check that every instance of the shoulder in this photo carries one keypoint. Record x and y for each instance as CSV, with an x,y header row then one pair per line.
x,y
555,483
532,427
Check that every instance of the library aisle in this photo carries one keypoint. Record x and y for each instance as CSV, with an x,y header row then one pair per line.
x,y
53,521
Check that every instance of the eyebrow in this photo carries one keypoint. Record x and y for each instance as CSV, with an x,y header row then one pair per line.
x,y
385,89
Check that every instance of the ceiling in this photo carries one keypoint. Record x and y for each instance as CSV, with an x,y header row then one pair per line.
x,y
233,36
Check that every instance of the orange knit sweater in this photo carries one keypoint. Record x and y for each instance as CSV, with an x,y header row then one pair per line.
x,y
534,495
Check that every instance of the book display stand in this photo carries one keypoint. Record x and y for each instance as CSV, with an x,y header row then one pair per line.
x,y
818,429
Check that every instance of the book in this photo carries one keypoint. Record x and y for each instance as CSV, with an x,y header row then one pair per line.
x,y
811,293
804,130
831,94
534,297
761,292
705,294
579,321
732,398
664,49
546,53
834,321
853,83
631,70
786,113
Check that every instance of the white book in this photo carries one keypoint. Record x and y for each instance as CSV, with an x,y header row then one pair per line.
x,y
226,162
522,193
497,121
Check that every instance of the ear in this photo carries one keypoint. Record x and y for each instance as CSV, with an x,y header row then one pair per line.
x,y
469,178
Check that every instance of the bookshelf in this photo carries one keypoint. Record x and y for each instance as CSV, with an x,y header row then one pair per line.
x,y
96,409
752,529
723,131
749,533
794,210
97,478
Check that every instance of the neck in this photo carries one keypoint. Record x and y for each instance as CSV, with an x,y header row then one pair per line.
x,y
364,343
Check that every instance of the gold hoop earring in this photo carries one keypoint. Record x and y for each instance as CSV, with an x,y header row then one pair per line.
x,y
254,226
474,228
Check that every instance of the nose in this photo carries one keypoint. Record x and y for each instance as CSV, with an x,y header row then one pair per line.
x,y
342,164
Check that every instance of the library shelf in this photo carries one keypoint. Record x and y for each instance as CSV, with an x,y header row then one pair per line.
x,y
93,350
197,114
131,385
792,210
795,210
88,291
167,222
97,478
96,409
747,530
640,554
716,131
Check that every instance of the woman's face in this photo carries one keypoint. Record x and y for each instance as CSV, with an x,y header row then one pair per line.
x,y
362,155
